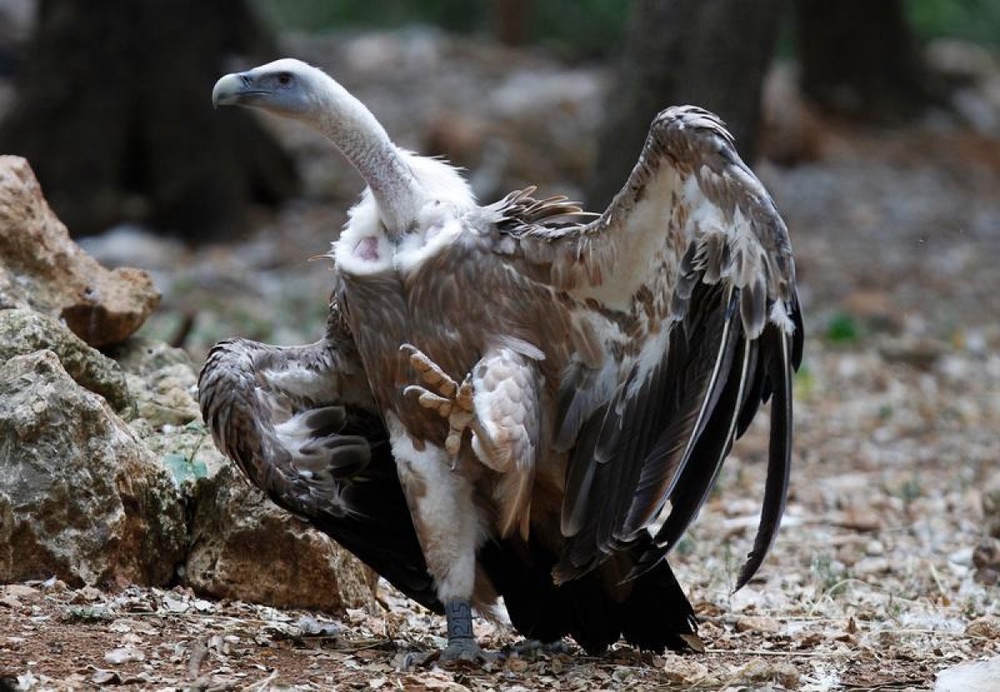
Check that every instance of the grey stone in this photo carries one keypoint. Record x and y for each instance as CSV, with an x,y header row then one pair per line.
x,y
81,497
244,547
23,331
161,379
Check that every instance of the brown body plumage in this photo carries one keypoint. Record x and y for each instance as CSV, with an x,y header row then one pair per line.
x,y
550,383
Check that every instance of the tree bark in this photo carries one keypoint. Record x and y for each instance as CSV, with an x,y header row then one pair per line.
x,y
860,57
114,113
709,53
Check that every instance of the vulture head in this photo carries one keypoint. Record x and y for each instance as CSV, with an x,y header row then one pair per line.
x,y
286,87
293,89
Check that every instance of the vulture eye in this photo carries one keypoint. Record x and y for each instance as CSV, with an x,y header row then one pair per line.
x,y
284,79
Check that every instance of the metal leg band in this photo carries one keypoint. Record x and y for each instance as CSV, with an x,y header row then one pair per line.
x,y
459,616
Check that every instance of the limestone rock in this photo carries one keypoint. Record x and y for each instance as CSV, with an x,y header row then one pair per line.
x,y
244,547
23,331
161,379
970,676
81,497
45,270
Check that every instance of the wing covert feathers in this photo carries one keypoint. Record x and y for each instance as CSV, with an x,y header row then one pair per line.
x,y
696,230
301,428
507,427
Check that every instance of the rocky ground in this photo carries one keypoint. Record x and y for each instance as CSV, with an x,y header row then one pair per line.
x,y
885,572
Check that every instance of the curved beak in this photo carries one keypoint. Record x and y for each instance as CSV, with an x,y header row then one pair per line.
x,y
236,89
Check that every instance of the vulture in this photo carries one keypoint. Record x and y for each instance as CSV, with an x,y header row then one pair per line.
x,y
554,390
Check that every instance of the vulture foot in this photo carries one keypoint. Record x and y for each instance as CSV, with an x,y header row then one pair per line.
x,y
462,646
532,649
465,651
451,400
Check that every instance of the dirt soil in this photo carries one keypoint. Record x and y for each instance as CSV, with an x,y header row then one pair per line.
x,y
875,581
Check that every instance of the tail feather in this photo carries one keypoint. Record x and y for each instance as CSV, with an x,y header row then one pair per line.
x,y
598,608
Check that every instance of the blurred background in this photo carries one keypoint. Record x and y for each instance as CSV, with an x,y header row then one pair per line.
x,y
874,122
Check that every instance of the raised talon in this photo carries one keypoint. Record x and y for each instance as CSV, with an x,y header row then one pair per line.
x,y
463,398
458,422
430,372
448,398
460,418
429,399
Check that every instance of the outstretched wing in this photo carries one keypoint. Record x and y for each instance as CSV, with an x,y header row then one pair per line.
x,y
300,422
690,279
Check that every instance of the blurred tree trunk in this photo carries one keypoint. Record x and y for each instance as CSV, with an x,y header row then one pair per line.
x,y
860,57
114,113
510,21
709,53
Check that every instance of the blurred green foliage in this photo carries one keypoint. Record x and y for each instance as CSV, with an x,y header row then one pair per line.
x,y
586,28
326,15
843,329
973,20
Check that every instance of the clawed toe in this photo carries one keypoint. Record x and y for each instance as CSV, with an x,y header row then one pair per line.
x,y
429,399
465,651
437,380
533,648
443,394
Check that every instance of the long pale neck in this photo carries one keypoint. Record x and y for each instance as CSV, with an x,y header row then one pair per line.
x,y
346,122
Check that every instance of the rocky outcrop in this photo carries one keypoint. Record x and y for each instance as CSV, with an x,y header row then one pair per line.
x,y
92,499
81,497
43,269
161,379
243,547
24,331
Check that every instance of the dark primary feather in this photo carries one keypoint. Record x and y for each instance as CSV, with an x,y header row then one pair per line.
x,y
662,436
597,609
658,437
707,356
782,357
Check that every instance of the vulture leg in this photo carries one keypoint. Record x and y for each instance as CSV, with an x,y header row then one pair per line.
x,y
462,645
448,528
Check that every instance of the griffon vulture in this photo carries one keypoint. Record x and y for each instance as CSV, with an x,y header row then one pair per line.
x,y
559,389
